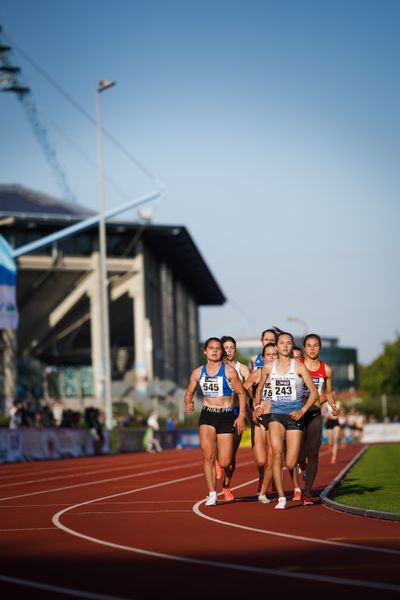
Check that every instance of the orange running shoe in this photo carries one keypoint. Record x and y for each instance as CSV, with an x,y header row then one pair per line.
x,y
228,496
218,470
297,496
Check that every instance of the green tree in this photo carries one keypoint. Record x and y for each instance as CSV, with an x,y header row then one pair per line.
x,y
382,376
380,383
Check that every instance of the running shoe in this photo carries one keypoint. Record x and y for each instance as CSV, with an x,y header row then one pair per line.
x,y
296,495
218,470
263,499
281,503
307,499
228,495
211,499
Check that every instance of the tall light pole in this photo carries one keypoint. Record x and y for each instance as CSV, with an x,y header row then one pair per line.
x,y
105,326
301,321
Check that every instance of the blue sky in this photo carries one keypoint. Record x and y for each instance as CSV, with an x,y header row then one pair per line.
x,y
275,126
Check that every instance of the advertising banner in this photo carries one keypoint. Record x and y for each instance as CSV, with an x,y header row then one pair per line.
x,y
8,281
10,446
381,432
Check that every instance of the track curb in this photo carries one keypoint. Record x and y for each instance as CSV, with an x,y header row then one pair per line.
x,y
363,512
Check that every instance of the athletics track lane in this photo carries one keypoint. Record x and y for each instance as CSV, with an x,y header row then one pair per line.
x,y
143,507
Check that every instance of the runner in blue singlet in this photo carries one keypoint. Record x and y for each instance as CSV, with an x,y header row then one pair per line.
x,y
218,382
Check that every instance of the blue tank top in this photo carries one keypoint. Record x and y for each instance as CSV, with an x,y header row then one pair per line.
x,y
259,362
215,386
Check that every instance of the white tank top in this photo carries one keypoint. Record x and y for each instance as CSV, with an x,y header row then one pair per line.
x,y
237,369
287,389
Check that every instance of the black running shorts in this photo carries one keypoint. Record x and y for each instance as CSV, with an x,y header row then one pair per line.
x,y
287,421
221,419
332,423
310,415
265,420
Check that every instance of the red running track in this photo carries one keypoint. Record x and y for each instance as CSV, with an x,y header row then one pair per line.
x,y
135,526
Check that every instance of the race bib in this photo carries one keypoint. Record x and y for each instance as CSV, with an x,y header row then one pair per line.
x,y
212,386
266,393
284,390
318,382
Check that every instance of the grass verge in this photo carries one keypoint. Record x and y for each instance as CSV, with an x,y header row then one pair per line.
x,y
374,482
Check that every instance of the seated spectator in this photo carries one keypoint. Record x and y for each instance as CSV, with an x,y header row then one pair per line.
x,y
15,415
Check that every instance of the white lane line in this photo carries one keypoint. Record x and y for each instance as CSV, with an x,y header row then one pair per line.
x,y
101,481
31,529
196,510
214,564
58,589
79,473
60,504
128,512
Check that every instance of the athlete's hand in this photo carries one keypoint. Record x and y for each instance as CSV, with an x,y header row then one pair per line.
x,y
335,410
189,406
257,412
240,424
296,415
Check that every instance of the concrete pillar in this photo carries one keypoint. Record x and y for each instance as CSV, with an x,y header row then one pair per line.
x,y
168,322
96,331
10,368
134,286
142,330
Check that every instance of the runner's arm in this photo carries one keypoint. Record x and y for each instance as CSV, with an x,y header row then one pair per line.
x,y
190,390
329,390
303,372
241,394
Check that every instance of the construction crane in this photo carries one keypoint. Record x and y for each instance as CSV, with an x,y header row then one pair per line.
x,y
10,81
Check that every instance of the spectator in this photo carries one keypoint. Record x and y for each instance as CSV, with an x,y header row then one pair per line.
x,y
15,415
47,416
171,422
38,420
150,441
57,408
27,415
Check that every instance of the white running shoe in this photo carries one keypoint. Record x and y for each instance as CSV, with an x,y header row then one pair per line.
x,y
211,499
263,499
281,503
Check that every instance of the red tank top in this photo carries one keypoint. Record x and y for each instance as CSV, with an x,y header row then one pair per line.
x,y
318,377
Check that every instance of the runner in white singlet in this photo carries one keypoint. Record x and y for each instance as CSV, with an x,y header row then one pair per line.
x,y
286,376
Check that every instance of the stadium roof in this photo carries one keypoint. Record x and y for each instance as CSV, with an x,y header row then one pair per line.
x,y
19,201
26,215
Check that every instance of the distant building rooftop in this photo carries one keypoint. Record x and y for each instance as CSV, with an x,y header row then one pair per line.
x,y
26,215
20,201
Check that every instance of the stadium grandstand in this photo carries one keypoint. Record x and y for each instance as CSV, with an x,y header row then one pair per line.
x,y
157,281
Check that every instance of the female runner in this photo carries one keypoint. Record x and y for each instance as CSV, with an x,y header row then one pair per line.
x,y
229,346
268,336
261,420
332,428
287,377
322,375
217,422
